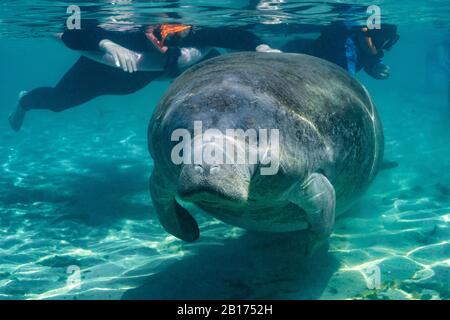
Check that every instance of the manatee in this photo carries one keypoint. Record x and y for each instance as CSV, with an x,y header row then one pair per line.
x,y
330,144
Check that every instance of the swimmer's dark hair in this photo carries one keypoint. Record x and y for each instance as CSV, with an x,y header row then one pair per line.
x,y
385,37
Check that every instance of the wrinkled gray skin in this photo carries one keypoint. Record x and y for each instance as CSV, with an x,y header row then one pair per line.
x,y
331,144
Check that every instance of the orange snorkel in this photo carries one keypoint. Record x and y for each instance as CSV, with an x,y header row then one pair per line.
x,y
165,31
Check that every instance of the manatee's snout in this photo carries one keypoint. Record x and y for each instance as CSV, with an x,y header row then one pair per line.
x,y
214,183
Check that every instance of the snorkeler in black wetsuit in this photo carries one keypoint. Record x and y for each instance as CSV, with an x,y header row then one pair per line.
x,y
351,47
171,48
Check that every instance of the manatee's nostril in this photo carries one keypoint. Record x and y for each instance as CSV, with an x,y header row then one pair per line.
x,y
199,169
214,170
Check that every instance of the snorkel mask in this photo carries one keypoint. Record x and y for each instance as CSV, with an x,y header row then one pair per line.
x,y
168,32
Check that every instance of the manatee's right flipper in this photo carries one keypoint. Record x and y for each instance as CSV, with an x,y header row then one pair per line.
x,y
174,218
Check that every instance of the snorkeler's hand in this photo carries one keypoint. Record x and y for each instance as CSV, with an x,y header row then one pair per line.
x,y
379,71
123,58
189,56
267,49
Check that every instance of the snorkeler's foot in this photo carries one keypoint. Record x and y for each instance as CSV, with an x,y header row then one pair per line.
x,y
17,117
266,49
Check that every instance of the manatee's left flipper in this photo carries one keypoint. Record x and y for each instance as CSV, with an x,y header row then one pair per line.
x,y
173,217
317,197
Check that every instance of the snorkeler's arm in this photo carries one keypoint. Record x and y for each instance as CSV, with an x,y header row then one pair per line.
x,y
366,43
88,39
236,38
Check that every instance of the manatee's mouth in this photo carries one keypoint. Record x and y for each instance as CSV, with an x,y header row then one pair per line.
x,y
216,185
211,196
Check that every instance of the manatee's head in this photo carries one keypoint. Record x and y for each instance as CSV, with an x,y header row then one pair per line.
x,y
212,181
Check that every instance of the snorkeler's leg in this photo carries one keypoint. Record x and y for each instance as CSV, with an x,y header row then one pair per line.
x,y
85,81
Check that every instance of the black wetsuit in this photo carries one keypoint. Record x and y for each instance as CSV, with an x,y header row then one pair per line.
x,y
339,44
88,79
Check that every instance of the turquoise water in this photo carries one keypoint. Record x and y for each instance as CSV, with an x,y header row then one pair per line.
x,y
74,185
